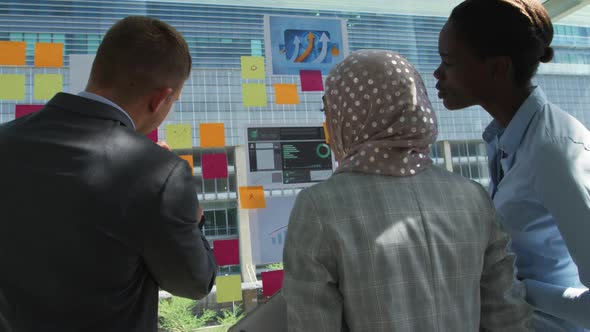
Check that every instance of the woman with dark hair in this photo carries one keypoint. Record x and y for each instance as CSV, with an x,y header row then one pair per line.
x,y
391,242
539,156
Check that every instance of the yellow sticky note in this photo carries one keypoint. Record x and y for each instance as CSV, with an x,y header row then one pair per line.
x,y
45,86
49,55
286,94
190,161
212,135
252,67
326,132
229,288
254,94
179,136
252,197
12,53
12,87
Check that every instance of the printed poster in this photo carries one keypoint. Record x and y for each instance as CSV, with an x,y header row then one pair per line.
x,y
296,43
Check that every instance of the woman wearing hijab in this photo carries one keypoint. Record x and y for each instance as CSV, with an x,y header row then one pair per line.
x,y
391,242
538,155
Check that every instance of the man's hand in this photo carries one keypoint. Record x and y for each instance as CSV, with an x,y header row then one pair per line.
x,y
164,145
200,216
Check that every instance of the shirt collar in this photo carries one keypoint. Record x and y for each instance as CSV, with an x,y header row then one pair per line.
x,y
93,96
509,138
492,132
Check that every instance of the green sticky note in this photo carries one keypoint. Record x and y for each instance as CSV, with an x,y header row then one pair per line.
x,y
229,288
252,67
254,94
47,85
179,136
12,87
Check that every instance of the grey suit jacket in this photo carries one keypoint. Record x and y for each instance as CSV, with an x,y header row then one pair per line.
x,y
381,253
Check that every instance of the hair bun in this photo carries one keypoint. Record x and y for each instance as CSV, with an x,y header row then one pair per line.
x,y
548,55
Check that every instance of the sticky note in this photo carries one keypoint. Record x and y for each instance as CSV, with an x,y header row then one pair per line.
x,y
226,252
272,281
214,166
190,161
12,87
153,135
326,132
254,94
22,110
286,94
12,53
229,288
252,67
179,136
252,197
311,80
49,55
45,86
212,135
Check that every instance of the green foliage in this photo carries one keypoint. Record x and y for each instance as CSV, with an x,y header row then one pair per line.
x,y
230,316
274,266
176,315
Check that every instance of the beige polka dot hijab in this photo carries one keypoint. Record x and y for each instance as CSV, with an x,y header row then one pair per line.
x,y
378,115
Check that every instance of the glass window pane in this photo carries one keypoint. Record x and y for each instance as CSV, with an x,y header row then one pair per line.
x,y
232,217
59,38
45,38
31,39
220,218
209,226
209,185
197,158
16,36
199,184
221,185
232,183
231,157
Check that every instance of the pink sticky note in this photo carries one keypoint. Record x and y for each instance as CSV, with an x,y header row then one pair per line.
x,y
226,252
271,282
214,166
153,135
22,110
311,80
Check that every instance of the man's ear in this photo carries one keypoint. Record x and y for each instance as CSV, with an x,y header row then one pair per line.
x,y
159,97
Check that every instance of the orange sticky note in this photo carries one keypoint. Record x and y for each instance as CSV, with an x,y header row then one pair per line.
x,y
49,55
212,135
252,197
12,53
326,133
190,161
286,94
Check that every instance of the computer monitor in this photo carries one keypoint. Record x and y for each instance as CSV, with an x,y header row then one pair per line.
x,y
287,156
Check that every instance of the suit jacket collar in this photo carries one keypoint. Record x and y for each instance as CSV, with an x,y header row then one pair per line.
x,y
88,107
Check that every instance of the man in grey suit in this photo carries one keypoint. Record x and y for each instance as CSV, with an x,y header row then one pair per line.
x,y
391,242
95,216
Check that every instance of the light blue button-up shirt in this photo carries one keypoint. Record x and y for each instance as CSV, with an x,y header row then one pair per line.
x,y
104,100
544,201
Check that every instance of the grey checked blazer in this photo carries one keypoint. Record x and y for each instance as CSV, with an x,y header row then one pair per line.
x,y
381,253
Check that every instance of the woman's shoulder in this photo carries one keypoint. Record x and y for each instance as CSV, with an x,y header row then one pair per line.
x,y
555,123
554,134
